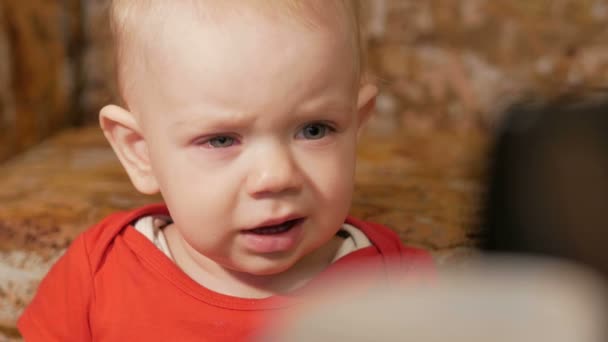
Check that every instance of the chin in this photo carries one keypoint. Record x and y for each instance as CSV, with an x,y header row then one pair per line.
x,y
267,267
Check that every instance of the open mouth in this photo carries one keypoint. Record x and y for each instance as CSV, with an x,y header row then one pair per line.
x,y
275,229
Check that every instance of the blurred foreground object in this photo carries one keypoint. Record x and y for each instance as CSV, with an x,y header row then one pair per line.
x,y
548,185
497,299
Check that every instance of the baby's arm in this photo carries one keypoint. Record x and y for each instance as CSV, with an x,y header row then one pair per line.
x,y
60,309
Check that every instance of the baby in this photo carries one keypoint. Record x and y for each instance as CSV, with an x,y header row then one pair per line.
x,y
245,116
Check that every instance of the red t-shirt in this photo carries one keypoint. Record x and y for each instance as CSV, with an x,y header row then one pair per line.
x,y
113,284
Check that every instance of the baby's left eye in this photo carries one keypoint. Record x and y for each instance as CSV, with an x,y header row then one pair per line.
x,y
314,131
221,141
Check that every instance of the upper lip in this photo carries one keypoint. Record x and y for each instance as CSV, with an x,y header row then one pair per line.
x,y
276,221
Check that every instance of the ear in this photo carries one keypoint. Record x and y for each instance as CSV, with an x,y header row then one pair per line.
x,y
123,132
366,101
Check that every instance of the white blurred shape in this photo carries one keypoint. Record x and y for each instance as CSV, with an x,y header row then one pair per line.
x,y
501,300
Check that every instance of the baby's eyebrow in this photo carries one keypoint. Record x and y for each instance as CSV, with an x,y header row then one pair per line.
x,y
212,120
328,107
195,122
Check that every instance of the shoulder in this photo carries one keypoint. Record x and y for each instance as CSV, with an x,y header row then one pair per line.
x,y
60,309
97,239
389,244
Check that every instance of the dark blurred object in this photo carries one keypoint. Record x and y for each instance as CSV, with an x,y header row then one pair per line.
x,y
548,182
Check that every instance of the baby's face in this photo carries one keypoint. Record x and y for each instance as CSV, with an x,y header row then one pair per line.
x,y
250,124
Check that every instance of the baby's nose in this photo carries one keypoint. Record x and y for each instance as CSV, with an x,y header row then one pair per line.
x,y
275,171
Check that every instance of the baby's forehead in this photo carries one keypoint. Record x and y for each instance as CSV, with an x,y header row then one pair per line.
x,y
142,27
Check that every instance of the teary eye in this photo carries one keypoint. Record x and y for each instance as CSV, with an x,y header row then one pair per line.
x,y
221,141
314,131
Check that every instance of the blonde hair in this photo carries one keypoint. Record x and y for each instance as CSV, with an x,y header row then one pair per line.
x,y
123,13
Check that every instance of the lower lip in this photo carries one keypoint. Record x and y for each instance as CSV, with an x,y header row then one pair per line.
x,y
273,243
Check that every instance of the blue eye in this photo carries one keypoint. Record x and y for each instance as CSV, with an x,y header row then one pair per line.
x,y
221,142
314,131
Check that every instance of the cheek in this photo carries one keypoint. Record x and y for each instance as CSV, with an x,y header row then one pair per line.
x,y
192,190
332,172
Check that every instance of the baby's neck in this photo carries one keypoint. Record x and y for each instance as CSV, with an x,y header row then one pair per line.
x,y
219,279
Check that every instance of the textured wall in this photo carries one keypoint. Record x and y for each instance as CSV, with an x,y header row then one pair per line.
x,y
38,62
453,64
99,86
441,63
7,106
